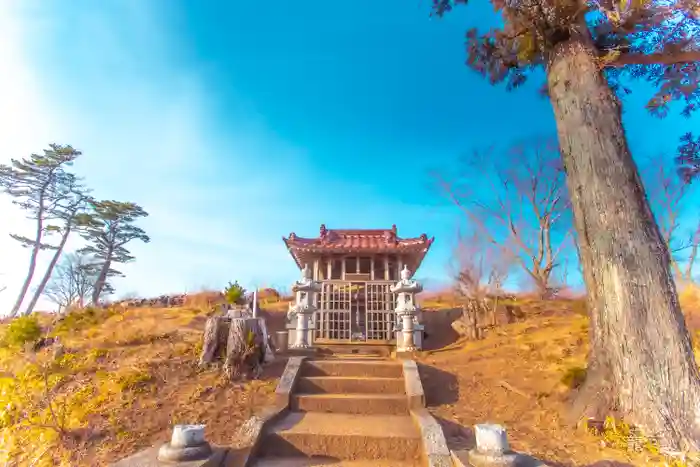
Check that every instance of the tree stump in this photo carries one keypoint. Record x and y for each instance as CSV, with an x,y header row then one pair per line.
x,y
245,348
240,342
211,342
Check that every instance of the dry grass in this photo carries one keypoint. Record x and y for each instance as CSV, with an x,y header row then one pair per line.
x,y
514,377
128,376
122,383
520,376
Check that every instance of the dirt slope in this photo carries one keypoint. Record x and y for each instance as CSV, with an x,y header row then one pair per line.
x,y
127,376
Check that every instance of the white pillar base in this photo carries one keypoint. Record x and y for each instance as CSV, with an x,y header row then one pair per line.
x,y
407,343
301,340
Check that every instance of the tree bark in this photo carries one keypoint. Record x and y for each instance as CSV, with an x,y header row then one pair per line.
x,y
101,279
210,343
244,348
33,257
49,270
470,318
641,355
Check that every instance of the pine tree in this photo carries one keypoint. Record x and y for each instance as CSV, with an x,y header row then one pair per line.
x,y
641,360
39,185
71,212
110,229
689,157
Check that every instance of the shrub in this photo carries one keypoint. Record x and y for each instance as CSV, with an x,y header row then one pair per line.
x,y
234,293
135,381
22,330
81,319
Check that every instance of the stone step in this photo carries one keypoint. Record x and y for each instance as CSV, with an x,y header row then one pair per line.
x,y
331,462
349,384
343,436
354,350
367,366
389,404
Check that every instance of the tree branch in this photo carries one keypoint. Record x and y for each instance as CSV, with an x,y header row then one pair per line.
x,y
655,59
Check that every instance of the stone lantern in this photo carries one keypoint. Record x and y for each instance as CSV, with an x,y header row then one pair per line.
x,y
304,308
406,310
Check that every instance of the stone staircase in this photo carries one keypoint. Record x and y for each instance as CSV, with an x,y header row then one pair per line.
x,y
345,412
351,412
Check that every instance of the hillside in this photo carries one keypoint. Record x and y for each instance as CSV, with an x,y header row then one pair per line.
x,y
128,374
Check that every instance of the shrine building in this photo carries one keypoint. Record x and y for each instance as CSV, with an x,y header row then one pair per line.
x,y
356,269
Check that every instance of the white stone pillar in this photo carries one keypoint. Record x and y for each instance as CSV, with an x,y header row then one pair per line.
x,y
406,290
255,303
302,333
306,290
407,331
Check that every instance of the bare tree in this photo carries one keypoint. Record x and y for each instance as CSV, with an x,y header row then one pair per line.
x,y
525,207
482,267
72,281
668,196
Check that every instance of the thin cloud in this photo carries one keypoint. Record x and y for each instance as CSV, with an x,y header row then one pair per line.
x,y
112,88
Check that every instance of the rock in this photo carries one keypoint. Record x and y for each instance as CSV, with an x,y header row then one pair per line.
x,y
507,313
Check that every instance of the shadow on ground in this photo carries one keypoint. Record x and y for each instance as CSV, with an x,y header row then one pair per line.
x,y
438,328
604,463
440,386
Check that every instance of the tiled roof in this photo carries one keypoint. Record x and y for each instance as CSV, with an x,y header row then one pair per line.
x,y
379,240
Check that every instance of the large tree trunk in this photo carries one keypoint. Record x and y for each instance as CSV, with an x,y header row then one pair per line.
x,y
641,352
49,271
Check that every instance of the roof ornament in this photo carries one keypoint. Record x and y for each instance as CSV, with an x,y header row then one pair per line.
x,y
393,229
387,236
390,235
423,237
405,273
292,236
326,235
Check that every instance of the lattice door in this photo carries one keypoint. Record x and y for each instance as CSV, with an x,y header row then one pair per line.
x,y
333,320
379,319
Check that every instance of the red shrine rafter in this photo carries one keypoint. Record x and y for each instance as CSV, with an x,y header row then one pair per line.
x,y
360,241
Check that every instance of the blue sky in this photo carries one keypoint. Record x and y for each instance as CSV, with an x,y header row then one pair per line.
x,y
235,123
